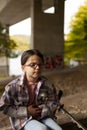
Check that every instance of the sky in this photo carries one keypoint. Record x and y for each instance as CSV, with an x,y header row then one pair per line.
x,y
24,27
71,7
21,28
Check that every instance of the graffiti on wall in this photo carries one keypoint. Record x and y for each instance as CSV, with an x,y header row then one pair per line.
x,y
53,61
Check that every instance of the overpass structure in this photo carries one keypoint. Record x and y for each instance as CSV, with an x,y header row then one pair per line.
x,y
47,32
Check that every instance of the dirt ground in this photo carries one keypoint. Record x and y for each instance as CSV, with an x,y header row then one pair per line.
x,y
73,83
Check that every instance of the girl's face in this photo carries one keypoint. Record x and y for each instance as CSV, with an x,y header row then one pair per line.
x,y
33,68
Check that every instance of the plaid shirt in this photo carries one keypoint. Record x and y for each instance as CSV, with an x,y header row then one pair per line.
x,y
15,99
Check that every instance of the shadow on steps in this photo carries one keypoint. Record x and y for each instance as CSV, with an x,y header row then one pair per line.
x,y
73,126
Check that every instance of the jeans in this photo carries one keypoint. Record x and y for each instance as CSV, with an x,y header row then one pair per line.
x,y
44,124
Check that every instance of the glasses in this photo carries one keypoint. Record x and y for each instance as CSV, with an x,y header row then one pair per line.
x,y
34,65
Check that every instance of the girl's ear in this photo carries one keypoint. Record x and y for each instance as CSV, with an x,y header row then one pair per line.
x,y
22,67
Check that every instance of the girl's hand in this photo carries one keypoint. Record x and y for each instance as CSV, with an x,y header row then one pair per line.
x,y
34,111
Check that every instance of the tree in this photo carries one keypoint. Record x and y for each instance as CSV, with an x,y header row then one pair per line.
x,y
7,45
76,41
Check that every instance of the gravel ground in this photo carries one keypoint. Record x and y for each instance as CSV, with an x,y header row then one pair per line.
x,y
73,82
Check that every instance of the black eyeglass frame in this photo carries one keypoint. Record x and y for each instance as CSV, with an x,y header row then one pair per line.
x,y
34,65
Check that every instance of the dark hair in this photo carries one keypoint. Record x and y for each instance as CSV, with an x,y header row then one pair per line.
x,y
28,53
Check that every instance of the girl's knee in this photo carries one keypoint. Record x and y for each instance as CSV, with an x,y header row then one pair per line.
x,y
35,125
44,128
60,128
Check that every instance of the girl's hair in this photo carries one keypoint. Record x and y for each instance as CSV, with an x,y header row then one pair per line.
x,y
28,53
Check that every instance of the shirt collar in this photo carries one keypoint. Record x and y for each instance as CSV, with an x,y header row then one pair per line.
x,y
22,79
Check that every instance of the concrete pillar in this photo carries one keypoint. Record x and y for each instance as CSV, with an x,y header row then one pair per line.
x,y
7,59
47,29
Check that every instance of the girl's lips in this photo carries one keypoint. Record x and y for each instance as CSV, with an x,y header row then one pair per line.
x,y
37,72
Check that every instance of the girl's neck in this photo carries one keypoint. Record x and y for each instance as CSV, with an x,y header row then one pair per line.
x,y
31,79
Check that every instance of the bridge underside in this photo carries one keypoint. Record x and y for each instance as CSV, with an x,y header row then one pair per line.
x,y
47,30
13,11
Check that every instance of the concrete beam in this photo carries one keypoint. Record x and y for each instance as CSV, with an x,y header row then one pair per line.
x,y
13,11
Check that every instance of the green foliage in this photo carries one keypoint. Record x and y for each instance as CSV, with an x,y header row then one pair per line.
x,y
76,42
22,41
7,45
